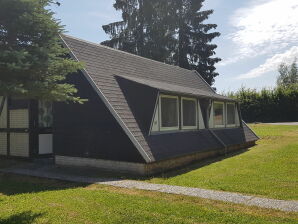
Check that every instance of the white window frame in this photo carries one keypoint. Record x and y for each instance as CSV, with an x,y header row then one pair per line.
x,y
155,127
160,117
230,125
223,116
196,106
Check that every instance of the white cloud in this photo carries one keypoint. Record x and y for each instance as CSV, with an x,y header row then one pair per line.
x,y
264,27
271,64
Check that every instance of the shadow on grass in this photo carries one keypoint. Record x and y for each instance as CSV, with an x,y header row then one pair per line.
x,y
11,184
195,165
17,184
21,218
113,176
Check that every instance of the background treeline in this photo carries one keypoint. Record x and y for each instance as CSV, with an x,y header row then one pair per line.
x,y
279,104
268,105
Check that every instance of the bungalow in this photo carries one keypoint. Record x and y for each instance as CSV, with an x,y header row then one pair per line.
x,y
142,116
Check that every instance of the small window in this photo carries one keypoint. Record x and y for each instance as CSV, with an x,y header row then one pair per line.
x,y
189,113
218,114
230,114
45,114
169,112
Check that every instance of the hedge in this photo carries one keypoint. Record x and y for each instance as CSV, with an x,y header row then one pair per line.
x,y
268,105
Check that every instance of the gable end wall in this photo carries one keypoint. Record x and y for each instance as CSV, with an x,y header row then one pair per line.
x,y
89,130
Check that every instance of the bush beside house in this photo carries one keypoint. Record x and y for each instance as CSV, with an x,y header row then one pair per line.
x,y
268,105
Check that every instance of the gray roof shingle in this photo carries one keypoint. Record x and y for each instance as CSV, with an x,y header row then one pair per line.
x,y
168,87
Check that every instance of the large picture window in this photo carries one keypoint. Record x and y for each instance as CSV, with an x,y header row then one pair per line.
x,y
189,113
231,114
169,112
218,108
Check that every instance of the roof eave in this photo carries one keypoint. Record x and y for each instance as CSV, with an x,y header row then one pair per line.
x,y
109,106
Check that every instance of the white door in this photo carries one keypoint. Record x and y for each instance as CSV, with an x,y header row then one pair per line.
x,y
45,142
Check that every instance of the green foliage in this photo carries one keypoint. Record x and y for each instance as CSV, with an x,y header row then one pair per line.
x,y
268,105
288,74
33,62
169,31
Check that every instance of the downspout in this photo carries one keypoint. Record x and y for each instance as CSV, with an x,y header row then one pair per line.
x,y
212,132
8,126
220,141
239,114
208,114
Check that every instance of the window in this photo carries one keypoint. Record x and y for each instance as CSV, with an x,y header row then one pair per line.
x,y
218,109
45,114
189,113
169,112
231,114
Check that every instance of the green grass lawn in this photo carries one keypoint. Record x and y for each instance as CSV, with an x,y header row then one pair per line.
x,y
268,169
25,200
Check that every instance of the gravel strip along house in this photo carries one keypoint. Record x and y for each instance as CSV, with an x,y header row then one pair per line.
x,y
141,116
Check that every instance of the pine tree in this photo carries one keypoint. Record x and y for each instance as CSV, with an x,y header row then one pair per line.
x,y
141,31
124,34
167,31
33,62
193,49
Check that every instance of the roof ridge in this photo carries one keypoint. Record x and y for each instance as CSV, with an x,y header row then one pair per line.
x,y
124,52
140,79
154,80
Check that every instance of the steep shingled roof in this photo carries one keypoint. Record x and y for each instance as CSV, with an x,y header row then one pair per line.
x,y
103,64
168,87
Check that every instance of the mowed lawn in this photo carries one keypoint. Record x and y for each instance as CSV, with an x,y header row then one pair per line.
x,y
268,169
25,200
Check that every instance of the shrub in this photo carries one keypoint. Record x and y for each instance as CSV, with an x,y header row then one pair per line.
x,y
268,105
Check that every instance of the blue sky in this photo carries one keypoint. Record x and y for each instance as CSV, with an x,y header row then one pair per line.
x,y
256,35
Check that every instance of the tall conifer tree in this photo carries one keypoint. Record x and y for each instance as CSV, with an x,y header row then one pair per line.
x,y
171,31
32,60
194,49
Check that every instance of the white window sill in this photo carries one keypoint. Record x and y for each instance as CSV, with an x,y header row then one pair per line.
x,y
169,128
189,128
219,126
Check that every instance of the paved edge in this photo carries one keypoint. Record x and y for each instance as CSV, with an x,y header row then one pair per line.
x,y
283,205
283,123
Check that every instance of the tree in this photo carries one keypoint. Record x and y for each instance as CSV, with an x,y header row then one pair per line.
x,y
193,50
141,31
33,62
167,31
288,74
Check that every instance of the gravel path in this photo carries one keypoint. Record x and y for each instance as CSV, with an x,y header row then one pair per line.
x,y
284,123
284,205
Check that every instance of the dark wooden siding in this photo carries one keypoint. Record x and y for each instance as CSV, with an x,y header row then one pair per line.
x,y
15,104
171,145
141,99
89,129
231,136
